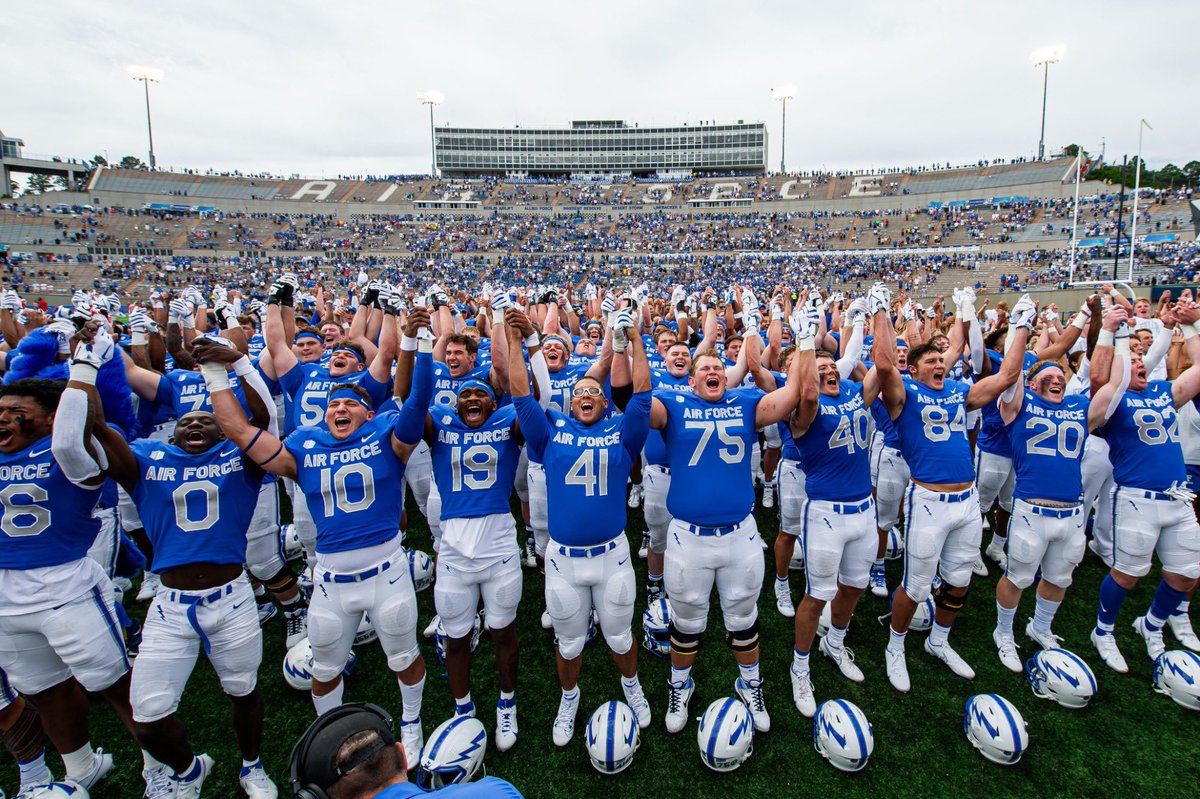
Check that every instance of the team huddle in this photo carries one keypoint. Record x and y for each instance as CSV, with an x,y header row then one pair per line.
x,y
164,443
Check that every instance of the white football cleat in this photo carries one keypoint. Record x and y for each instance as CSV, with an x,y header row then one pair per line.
x,y
802,693
980,568
149,587
1106,646
783,600
897,669
995,551
635,697
297,625
431,628
751,693
547,622
413,739
564,722
529,558
506,725
1050,641
677,704
1006,648
635,495
947,655
190,789
158,783
1181,628
1154,640
644,549
768,495
256,783
101,765
878,582
844,658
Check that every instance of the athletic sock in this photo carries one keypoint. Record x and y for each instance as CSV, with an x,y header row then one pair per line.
x,y
80,762
410,697
629,683
192,772
149,761
571,697
1004,619
249,764
896,640
939,635
35,771
329,701
1043,614
1112,595
463,703
878,564
749,673
1166,600
680,676
1182,608
507,699
799,662
835,639
782,581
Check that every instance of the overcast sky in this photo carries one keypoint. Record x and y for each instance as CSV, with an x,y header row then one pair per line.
x,y
326,88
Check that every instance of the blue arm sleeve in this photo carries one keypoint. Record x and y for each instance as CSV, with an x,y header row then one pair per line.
x,y
635,425
533,425
410,422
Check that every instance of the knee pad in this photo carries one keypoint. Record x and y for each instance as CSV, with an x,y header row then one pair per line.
x,y
397,615
684,643
943,599
153,704
240,684
402,660
571,647
620,643
324,626
743,640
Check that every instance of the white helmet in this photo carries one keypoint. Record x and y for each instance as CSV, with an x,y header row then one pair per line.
x,y
994,726
612,737
292,548
796,561
656,622
452,754
842,735
1177,674
922,618
297,666
1061,676
54,790
366,631
725,735
895,544
420,566
440,638
825,620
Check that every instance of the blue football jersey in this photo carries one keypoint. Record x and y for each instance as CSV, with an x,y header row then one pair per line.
x,y
474,468
46,520
662,381
256,344
445,387
1047,442
306,389
184,391
933,433
195,508
708,450
353,486
835,451
586,466
884,424
1143,439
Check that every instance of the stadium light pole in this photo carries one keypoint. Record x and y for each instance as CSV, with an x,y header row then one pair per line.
x,y
1044,58
1137,185
1075,210
146,75
431,98
783,94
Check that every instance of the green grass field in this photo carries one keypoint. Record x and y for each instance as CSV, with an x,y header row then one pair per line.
x,y
1129,742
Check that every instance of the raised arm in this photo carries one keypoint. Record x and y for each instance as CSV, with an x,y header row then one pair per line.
x,y
1187,385
1114,337
780,403
279,301
989,389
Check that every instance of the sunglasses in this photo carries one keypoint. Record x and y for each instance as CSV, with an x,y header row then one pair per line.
x,y
587,391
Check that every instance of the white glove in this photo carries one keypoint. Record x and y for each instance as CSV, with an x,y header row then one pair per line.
x,y
858,311
1024,316
806,330
501,301
193,295
103,345
137,321
752,321
9,301
80,299
609,304
749,300
178,310
677,296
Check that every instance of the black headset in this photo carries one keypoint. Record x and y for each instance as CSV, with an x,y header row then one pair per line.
x,y
311,769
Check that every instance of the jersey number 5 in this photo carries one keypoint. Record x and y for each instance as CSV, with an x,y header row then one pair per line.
x,y
726,430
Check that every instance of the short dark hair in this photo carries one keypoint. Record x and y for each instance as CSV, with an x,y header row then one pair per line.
x,y
995,337
921,350
373,774
468,343
45,393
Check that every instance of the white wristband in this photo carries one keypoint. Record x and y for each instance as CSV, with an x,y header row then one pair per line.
x,y
681,316
1189,331
1116,295
533,340
806,343
215,376
1194,325
408,343
242,366
137,338
83,373
1122,346
497,317
1080,321
425,345
1106,338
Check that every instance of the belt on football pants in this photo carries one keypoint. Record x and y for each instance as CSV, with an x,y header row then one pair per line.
x,y
194,601
954,496
851,508
356,577
1055,513
697,529
1154,494
589,552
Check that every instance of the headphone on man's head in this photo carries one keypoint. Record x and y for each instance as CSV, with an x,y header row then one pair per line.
x,y
311,769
